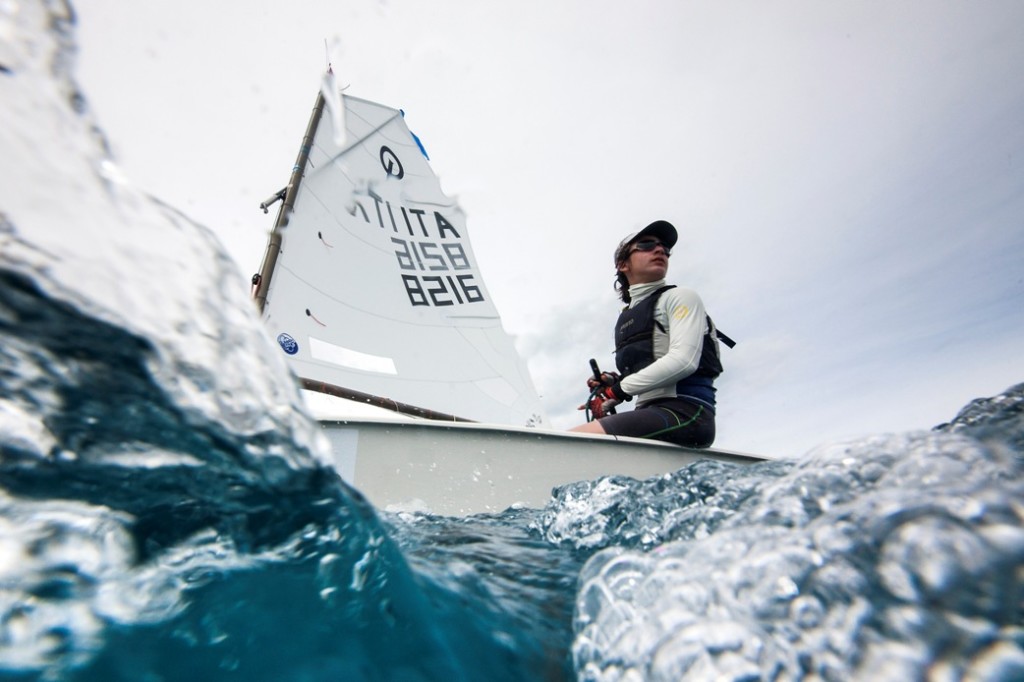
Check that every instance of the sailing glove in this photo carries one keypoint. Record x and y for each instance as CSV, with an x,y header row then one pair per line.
x,y
603,400
614,392
601,407
606,379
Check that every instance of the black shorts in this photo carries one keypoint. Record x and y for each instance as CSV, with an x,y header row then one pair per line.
x,y
674,420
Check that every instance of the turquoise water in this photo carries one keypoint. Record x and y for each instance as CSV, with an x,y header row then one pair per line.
x,y
165,513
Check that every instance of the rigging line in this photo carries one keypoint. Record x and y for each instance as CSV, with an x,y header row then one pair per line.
x,y
496,352
360,141
357,144
396,113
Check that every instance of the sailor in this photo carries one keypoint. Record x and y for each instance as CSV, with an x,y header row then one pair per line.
x,y
666,351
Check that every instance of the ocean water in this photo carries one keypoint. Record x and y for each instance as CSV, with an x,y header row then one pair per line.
x,y
166,512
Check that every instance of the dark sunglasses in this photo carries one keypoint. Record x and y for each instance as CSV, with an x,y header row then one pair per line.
x,y
650,245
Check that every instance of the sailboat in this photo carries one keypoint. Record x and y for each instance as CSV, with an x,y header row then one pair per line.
x,y
373,293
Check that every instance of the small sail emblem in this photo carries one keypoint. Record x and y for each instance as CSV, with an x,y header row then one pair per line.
x,y
391,163
288,344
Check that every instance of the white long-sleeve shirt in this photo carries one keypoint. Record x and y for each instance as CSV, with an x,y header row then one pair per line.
x,y
677,353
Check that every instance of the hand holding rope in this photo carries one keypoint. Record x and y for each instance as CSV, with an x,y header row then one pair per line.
x,y
605,393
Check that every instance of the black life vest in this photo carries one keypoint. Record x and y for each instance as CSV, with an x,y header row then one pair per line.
x,y
634,341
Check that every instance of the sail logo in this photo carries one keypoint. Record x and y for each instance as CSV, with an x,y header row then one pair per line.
x,y
391,163
288,344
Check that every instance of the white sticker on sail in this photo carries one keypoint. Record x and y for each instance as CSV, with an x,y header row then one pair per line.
x,y
353,359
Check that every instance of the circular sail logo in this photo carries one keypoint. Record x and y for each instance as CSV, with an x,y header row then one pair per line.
x,y
288,344
392,166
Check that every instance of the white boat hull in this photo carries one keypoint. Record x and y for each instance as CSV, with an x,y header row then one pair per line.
x,y
457,469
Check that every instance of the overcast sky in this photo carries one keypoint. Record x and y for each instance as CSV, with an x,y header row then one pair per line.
x,y
847,177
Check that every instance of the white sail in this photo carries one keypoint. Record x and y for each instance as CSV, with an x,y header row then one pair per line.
x,y
376,287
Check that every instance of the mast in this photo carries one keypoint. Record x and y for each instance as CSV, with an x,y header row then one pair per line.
x,y
261,281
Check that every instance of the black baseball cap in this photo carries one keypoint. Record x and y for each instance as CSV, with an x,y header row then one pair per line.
x,y
663,230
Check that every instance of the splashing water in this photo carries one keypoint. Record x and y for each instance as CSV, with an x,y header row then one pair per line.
x,y
166,511
879,560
